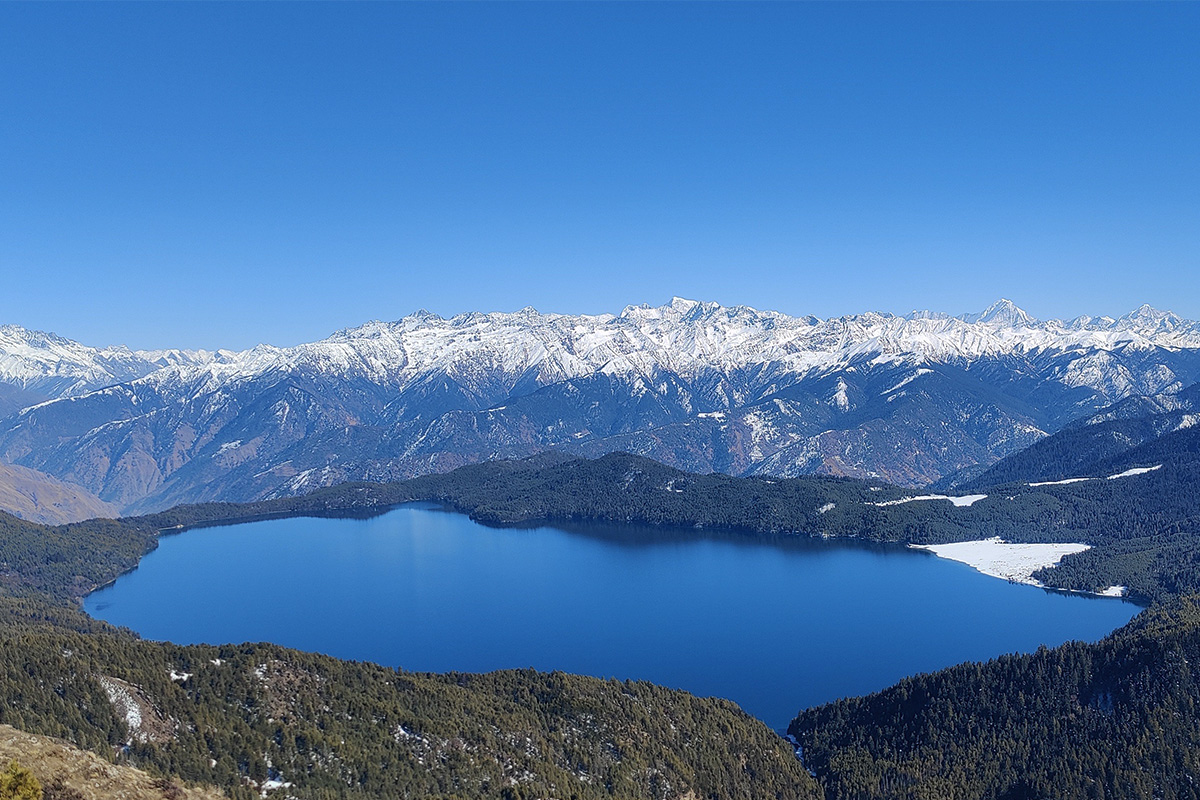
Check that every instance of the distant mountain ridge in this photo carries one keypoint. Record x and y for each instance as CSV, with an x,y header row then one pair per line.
x,y
701,386
49,364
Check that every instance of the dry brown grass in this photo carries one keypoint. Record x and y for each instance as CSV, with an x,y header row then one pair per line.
x,y
90,776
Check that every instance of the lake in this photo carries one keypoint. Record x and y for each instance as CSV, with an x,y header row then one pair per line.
x,y
774,625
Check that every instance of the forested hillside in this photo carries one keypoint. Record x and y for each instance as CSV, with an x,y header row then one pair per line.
x,y
238,715
1113,721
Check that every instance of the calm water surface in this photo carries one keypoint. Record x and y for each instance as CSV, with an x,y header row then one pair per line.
x,y
774,626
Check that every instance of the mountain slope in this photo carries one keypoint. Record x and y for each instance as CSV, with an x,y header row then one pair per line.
x,y
69,773
1094,444
36,496
53,366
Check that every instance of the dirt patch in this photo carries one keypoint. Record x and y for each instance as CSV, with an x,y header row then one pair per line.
x,y
146,723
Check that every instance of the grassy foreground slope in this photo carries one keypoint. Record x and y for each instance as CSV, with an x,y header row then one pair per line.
x,y
67,773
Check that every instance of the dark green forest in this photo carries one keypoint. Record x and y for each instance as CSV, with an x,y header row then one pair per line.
x,y
1106,721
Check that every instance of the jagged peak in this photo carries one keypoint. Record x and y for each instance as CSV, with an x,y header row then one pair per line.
x,y
917,314
1148,314
1006,312
34,337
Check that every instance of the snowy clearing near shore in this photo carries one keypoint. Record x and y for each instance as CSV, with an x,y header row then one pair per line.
x,y
1000,559
961,502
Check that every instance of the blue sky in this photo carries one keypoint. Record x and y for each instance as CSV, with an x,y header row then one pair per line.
x,y
224,174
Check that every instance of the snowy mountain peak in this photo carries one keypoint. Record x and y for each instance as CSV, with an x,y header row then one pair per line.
x,y
1147,316
1006,313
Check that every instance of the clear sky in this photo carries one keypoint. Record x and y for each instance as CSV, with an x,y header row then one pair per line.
x,y
222,174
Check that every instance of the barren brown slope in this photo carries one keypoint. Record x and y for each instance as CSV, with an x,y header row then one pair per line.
x,y
88,774
39,497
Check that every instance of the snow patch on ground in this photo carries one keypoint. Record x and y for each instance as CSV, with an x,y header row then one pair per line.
x,y
1060,483
1114,591
122,700
1129,473
1014,562
909,379
964,501
825,509
179,676
1135,471
840,398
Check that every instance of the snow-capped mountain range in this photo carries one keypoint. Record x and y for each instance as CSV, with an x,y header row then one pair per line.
x,y
698,385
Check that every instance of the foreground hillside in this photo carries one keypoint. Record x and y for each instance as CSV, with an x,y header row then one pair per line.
x,y
1114,720
66,772
238,716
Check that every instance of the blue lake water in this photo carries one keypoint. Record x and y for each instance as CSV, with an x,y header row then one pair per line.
x,y
775,626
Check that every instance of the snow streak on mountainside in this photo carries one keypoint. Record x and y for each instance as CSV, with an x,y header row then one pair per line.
x,y
698,385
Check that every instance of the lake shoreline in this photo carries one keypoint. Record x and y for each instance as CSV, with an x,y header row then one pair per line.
x,y
680,607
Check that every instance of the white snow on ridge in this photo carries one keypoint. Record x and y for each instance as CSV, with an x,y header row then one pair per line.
x,y
1135,471
1060,483
964,501
1000,559
685,337
60,367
